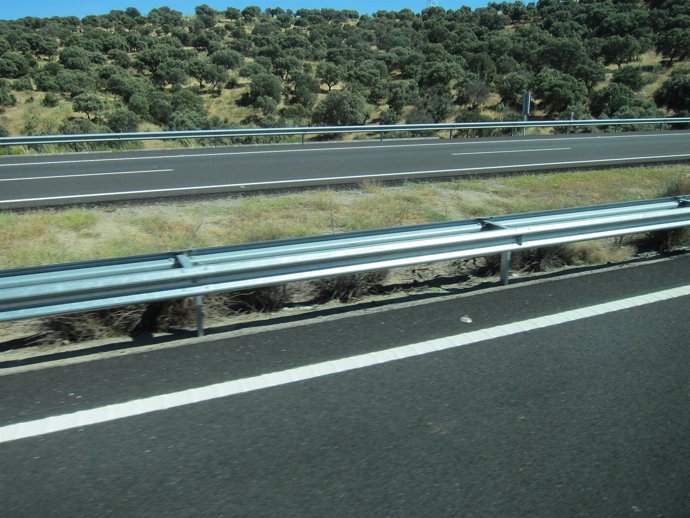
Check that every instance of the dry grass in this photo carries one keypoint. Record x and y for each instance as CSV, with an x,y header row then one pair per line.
x,y
62,235
53,236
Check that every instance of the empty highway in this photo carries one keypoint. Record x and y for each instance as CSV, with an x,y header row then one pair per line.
x,y
27,181
565,397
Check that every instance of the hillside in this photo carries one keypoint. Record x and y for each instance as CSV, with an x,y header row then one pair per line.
x,y
124,71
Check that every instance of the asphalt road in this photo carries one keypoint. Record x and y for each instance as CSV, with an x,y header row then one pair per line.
x,y
79,178
584,416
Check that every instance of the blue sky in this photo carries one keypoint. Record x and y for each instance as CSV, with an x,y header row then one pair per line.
x,y
46,8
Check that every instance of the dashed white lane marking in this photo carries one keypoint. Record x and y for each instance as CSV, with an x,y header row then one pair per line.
x,y
240,386
29,178
353,178
513,151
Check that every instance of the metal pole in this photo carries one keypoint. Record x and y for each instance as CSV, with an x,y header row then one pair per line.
x,y
505,267
302,138
199,310
382,136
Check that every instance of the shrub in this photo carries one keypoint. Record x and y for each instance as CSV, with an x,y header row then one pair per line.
x,y
341,108
91,325
23,84
50,100
7,98
351,286
123,121
632,77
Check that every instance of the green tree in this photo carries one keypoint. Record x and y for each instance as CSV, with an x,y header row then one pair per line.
x,y
439,74
119,58
563,54
341,108
329,74
123,121
473,91
7,98
305,90
75,58
267,105
188,99
402,93
675,93
13,65
266,85
511,87
614,99
674,44
205,15
632,77
197,68
558,91
227,58
50,100
74,82
139,104
251,12
619,49
188,120
80,126
88,104
438,103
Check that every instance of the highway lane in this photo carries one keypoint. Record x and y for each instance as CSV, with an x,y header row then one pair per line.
x,y
79,178
588,417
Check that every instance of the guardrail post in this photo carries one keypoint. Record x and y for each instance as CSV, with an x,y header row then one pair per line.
x,y
199,310
302,138
505,267
382,136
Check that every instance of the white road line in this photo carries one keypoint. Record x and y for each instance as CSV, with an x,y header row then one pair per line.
x,y
353,178
571,138
229,153
512,151
344,147
30,178
104,414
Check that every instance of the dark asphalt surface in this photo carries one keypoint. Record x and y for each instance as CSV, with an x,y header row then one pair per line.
x,y
78,178
585,419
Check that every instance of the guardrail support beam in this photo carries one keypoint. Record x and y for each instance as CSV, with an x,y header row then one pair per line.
x,y
199,310
505,267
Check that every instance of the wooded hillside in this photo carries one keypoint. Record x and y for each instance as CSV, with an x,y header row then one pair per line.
x,y
125,71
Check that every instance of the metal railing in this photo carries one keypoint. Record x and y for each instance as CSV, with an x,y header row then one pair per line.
x,y
327,130
49,290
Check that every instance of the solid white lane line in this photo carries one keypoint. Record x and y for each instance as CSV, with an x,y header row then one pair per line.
x,y
240,386
30,178
512,151
337,178
344,147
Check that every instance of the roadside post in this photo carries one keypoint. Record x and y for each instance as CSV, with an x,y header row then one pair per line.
x,y
526,102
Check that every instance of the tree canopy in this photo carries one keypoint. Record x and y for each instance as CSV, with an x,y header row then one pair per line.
x,y
326,66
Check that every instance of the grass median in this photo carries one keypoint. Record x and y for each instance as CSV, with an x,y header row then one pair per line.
x,y
50,236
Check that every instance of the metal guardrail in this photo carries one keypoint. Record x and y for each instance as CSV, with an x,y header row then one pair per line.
x,y
325,130
49,290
